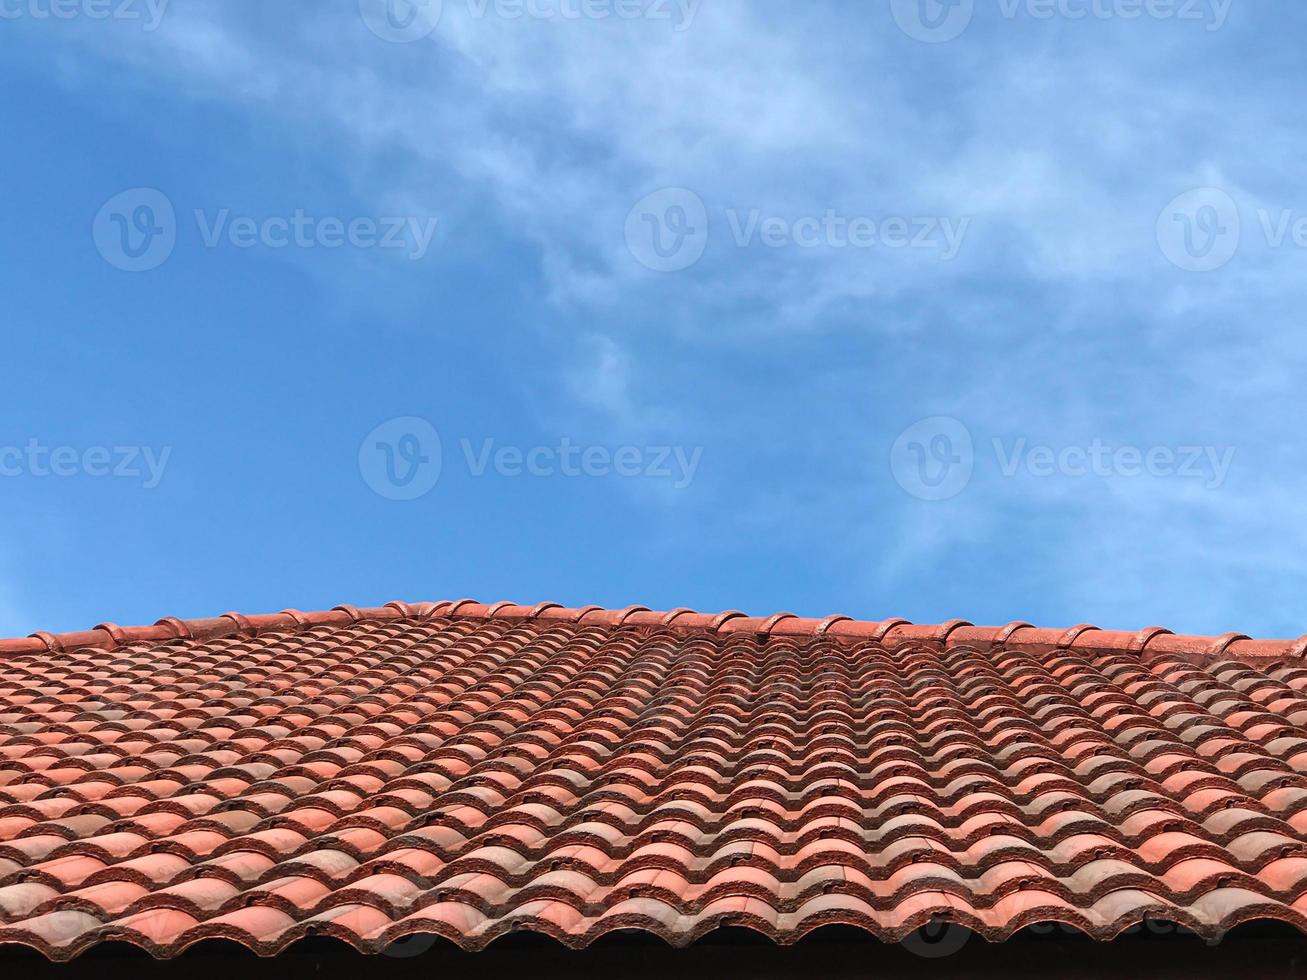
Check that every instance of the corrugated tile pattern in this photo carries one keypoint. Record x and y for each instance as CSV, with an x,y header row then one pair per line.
x,y
468,777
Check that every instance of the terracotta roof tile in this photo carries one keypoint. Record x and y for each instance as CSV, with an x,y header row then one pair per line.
x,y
466,770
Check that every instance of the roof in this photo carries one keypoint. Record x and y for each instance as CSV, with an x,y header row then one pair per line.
x,y
466,770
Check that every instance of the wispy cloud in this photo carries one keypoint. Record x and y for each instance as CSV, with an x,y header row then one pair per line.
x,y
1060,143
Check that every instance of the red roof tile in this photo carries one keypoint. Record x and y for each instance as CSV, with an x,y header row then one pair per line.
x,y
464,770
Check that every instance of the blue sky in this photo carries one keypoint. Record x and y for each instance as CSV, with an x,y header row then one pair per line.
x,y
987,310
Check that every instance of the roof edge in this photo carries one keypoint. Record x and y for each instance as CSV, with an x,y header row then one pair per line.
x,y
890,632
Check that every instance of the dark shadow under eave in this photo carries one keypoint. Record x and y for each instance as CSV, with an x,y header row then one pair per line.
x,y
1258,949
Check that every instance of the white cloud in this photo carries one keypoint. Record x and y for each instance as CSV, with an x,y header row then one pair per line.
x,y
1063,154
564,125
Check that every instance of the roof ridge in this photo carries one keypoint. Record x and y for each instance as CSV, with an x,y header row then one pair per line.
x,y
1018,635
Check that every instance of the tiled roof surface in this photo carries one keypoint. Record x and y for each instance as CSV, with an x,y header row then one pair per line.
x,y
466,770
